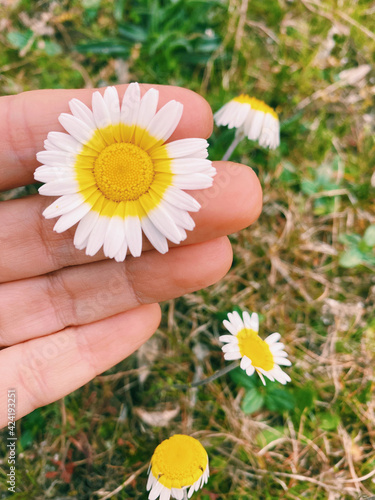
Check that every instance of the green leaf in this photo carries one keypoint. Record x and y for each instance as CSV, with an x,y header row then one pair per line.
x,y
240,378
118,9
18,39
304,397
110,47
369,236
279,400
351,258
368,259
26,439
328,421
91,4
350,239
252,401
132,32
52,48
309,187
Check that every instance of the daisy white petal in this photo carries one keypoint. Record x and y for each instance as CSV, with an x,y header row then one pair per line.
x,y
67,185
232,355
261,377
156,490
80,130
68,220
181,217
279,346
63,205
82,112
155,237
255,322
247,319
133,231
48,174
181,148
177,493
112,102
48,146
129,111
146,113
182,232
245,363
163,222
192,181
265,373
280,354
187,165
233,329
228,338
254,126
273,338
115,236
236,319
250,370
282,361
161,128
230,347
100,111
84,228
97,236
64,142
165,494
56,158
121,254
181,200
150,481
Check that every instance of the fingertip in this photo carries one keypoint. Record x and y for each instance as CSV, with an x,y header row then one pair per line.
x,y
224,254
202,116
153,313
251,195
202,264
232,203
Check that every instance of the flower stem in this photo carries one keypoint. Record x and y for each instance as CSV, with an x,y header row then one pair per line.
x,y
237,139
213,377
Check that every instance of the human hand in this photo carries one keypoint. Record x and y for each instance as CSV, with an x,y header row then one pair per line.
x,y
66,317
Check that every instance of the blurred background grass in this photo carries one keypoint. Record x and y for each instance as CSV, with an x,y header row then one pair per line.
x,y
307,266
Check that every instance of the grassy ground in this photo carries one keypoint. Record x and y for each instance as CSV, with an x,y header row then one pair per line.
x,y
307,266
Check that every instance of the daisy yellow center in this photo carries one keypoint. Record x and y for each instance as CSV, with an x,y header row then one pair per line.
x,y
256,104
123,172
256,349
179,461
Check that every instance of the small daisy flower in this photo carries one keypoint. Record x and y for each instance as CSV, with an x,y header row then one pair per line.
x,y
179,466
252,118
262,356
118,177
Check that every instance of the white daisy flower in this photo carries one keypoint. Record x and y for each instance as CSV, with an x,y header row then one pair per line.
x,y
118,177
252,118
262,356
179,466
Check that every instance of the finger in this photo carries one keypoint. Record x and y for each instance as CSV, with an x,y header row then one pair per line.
x,y
85,294
29,247
46,369
26,119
